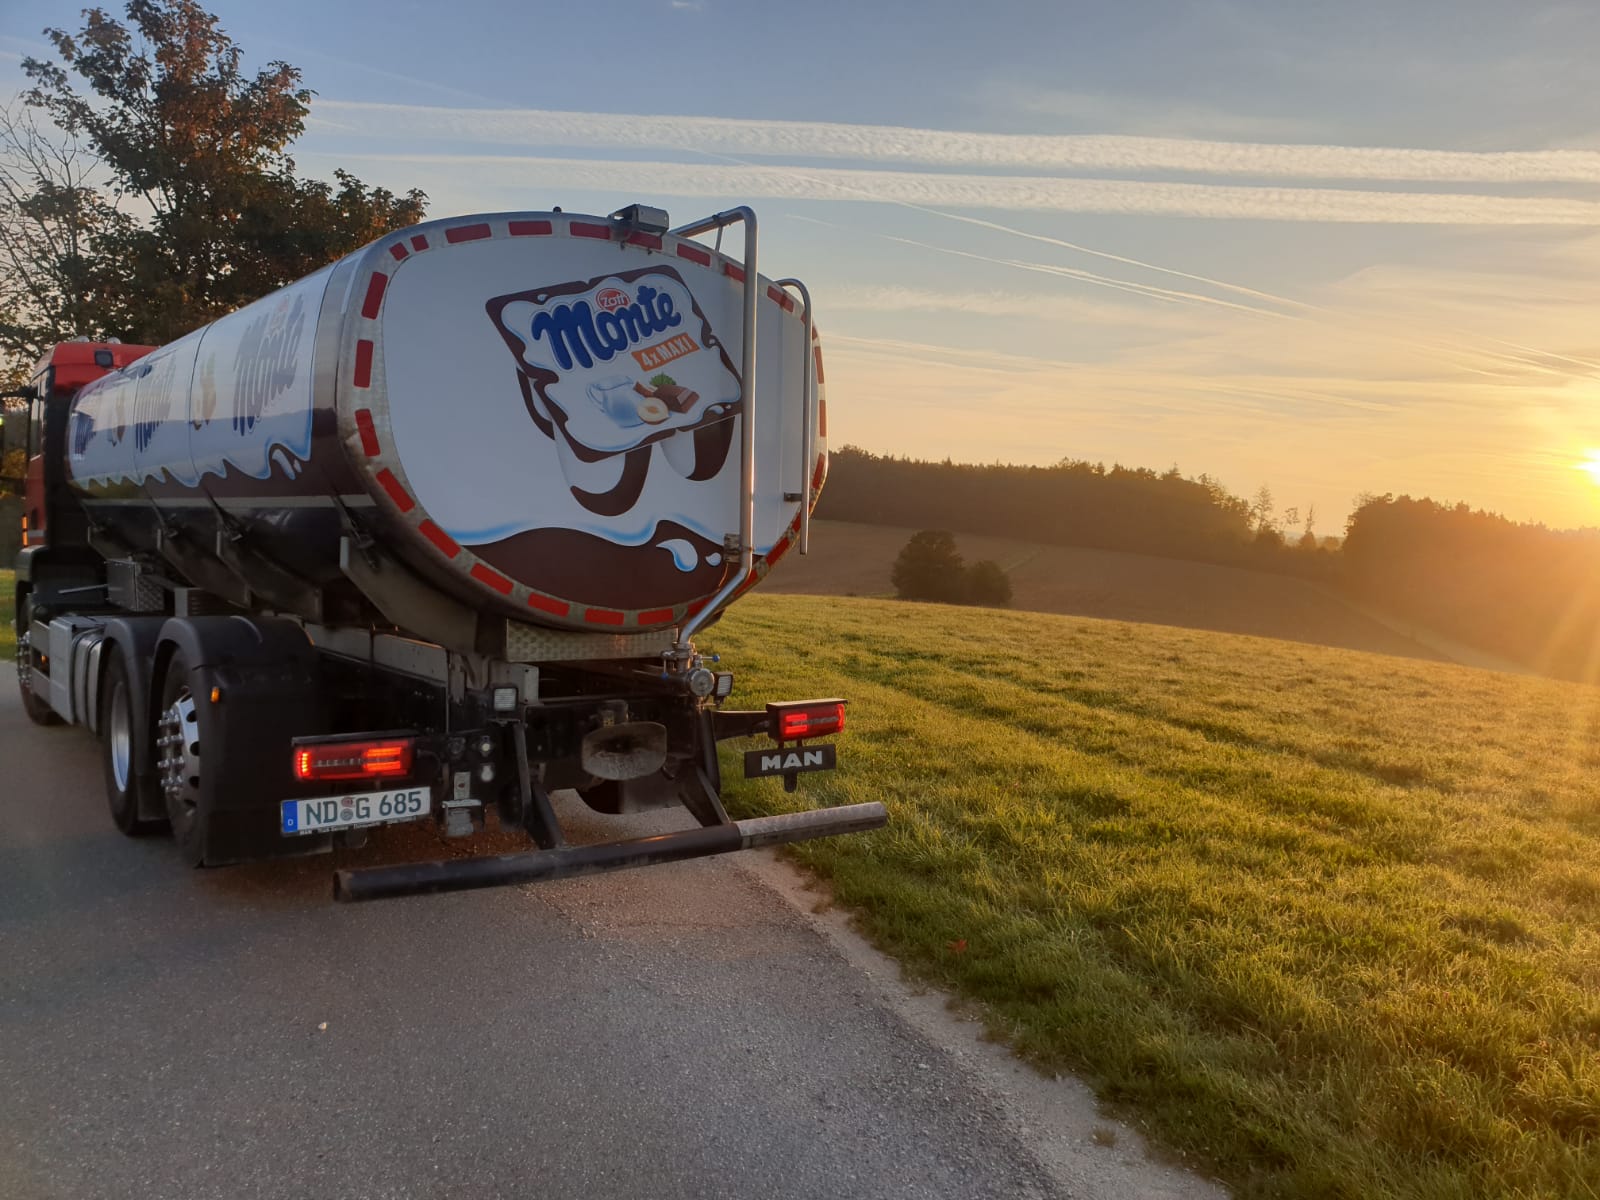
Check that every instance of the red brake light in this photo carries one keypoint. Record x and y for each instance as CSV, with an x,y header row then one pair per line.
x,y
353,760
806,719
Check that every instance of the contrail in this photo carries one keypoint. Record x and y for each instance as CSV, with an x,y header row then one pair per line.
x,y
1168,295
1444,351
1447,351
1271,298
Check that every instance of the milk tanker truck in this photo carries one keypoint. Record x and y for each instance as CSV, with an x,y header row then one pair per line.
x,y
427,536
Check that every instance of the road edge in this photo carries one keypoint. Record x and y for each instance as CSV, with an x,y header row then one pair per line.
x,y
1058,1118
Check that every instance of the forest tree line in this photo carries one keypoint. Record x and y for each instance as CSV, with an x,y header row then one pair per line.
x,y
1521,591
1073,503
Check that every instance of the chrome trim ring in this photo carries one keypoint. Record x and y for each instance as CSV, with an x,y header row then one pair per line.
x,y
119,737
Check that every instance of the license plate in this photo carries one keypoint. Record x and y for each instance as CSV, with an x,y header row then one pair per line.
x,y
784,759
323,813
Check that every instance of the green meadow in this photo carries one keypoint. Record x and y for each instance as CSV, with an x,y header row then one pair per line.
x,y
1325,921
8,635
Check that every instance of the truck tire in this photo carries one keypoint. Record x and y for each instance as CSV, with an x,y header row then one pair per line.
x,y
235,691
127,788
37,707
181,728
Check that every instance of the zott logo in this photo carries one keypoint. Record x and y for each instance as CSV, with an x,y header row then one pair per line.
x,y
611,299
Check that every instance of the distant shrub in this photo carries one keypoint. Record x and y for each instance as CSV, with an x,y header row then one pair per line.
x,y
988,584
930,568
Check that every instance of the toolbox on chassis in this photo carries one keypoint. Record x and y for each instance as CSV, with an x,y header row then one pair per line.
x,y
428,535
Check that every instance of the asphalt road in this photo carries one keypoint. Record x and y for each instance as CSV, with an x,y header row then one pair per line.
x,y
678,1031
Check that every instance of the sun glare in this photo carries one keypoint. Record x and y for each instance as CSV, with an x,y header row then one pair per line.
x,y
1591,465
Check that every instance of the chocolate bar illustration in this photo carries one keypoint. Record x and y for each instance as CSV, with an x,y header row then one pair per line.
x,y
678,399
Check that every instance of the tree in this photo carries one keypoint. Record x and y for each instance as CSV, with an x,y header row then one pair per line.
x,y
988,584
199,208
929,568
51,215
1262,509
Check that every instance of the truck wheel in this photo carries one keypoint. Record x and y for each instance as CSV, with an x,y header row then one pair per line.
x,y
126,788
37,707
180,743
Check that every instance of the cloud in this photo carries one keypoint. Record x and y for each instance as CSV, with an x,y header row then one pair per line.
x,y
1021,306
888,144
1137,114
1014,193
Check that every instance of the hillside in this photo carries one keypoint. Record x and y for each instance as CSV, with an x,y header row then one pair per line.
x,y
847,559
1326,920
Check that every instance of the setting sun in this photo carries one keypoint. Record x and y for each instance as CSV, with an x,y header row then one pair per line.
x,y
1591,465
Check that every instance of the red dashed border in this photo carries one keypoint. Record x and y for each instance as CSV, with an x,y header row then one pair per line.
x,y
368,432
405,503
493,578
446,544
361,376
402,498
375,290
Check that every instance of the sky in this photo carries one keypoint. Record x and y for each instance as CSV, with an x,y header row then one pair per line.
x,y
1332,249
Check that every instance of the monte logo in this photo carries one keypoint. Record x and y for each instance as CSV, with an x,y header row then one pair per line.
x,y
575,334
787,759
615,366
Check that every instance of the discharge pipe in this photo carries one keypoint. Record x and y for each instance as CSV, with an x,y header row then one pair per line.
x,y
747,421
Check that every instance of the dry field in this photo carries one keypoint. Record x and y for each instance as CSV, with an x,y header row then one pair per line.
x,y
847,559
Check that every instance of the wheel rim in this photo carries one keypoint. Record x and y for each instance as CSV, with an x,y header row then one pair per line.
x,y
180,749
119,736
25,664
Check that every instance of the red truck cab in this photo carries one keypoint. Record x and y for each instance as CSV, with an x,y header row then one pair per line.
x,y
56,377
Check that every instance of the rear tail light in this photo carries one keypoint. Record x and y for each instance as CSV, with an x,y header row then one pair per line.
x,y
385,758
801,719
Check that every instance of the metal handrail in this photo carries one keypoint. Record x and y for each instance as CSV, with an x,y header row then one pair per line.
x,y
747,441
808,420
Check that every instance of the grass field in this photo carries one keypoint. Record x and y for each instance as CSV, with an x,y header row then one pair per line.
x,y
852,559
8,635
1325,920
